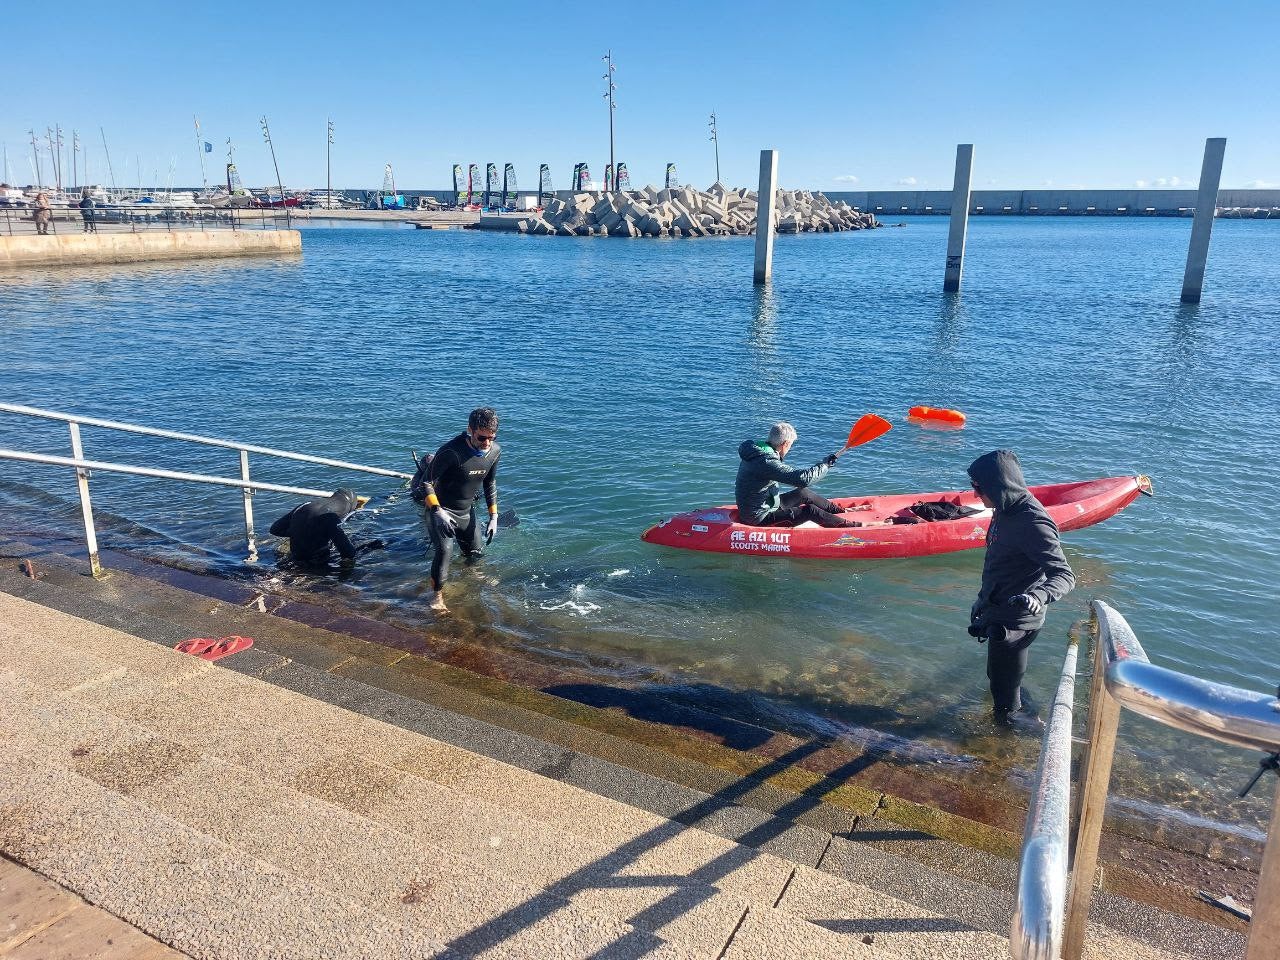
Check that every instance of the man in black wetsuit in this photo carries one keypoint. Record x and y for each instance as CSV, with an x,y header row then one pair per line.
x,y
313,527
1023,572
459,471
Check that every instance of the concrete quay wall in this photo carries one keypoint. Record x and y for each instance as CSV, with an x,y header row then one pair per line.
x,y
76,249
1165,203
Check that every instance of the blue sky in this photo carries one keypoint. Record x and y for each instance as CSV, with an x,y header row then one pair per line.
x,y
871,95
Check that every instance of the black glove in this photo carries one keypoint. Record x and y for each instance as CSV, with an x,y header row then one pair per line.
x,y
444,524
1029,602
830,459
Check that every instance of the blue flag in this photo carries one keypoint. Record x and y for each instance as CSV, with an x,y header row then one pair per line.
x,y
208,147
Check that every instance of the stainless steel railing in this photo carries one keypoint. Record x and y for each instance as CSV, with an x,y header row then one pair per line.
x,y
142,217
1042,879
248,486
1124,677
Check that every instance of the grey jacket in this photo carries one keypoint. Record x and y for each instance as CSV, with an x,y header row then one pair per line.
x,y
759,474
1023,551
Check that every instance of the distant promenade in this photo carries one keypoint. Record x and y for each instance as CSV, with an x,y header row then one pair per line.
x,y
1042,202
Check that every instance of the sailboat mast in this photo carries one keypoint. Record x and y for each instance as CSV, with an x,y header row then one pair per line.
x,y
110,169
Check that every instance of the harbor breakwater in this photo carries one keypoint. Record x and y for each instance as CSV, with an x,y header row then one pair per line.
x,y
684,212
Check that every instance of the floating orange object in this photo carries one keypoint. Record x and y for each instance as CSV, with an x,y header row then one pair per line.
x,y
937,414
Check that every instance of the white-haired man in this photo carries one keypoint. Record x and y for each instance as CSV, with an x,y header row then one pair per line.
x,y
761,471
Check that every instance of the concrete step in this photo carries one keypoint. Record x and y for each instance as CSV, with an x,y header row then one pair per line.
x,y
667,878
180,775
177,884
720,811
128,758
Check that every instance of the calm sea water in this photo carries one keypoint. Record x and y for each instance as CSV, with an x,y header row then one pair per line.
x,y
627,373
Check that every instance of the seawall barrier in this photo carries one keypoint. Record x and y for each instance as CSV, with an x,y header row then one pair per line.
x,y
1103,203
79,248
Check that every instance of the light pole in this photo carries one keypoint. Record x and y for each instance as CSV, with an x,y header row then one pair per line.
x,y
35,152
715,138
608,94
75,171
328,178
204,173
266,135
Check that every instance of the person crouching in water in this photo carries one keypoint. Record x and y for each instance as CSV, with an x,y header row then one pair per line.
x,y
1024,570
458,472
762,469
315,527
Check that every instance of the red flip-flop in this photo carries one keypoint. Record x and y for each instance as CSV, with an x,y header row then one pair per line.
x,y
225,647
196,646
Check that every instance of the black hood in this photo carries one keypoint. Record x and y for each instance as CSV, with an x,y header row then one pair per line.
x,y
754,449
998,474
342,503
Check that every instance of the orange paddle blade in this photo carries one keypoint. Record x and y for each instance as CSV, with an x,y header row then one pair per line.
x,y
867,429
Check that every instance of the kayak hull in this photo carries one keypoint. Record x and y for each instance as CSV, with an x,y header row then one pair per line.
x,y
716,529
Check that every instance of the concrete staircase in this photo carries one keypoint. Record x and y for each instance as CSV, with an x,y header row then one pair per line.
x,y
230,816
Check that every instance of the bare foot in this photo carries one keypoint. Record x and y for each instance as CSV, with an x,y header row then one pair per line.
x,y
437,603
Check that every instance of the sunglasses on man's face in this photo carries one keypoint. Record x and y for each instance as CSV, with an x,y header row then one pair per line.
x,y
484,437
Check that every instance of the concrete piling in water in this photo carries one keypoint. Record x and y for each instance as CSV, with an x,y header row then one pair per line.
x,y
959,218
1206,206
765,199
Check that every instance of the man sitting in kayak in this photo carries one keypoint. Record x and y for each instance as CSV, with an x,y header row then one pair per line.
x,y
762,469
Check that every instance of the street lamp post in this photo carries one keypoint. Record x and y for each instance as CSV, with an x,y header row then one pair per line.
x,y
266,135
328,177
608,94
715,138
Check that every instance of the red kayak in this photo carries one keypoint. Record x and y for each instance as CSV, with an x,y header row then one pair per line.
x,y
1072,506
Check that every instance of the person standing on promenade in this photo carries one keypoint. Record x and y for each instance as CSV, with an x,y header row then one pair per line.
x,y
1024,570
763,468
458,472
86,212
316,526
41,214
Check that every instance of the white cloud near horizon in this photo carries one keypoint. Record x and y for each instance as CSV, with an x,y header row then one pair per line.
x,y
1163,183
1263,185
845,178
908,182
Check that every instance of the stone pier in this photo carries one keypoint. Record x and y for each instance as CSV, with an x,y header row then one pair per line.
x,y
74,249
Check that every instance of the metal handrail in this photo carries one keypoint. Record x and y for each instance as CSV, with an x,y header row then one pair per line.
x,y
254,487
1039,916
82,467
1124,677
196,438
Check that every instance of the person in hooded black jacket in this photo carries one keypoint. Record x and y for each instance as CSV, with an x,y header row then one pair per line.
x,y
314,527
1024,570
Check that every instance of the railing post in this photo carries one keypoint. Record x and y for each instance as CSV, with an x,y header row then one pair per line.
x,y
1264,929
86,508
248,505
1104,722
